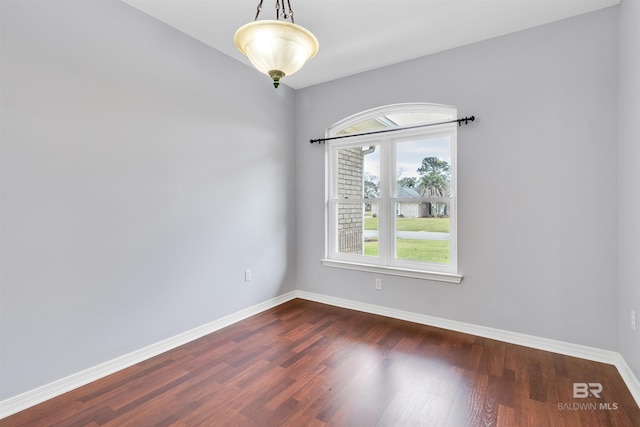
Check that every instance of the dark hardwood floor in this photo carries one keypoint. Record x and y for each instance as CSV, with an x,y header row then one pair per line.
x,y
309,364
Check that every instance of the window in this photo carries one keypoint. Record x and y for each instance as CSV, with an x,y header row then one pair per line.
x,y
392,196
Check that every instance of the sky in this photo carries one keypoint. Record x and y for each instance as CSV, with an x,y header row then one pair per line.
x,y
409,156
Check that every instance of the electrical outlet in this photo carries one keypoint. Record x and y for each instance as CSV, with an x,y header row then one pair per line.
x,y
379,284
247,275
633,320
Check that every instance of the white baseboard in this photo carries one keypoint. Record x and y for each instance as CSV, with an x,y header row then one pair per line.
x,y
48,391
629,378
33,397
575,350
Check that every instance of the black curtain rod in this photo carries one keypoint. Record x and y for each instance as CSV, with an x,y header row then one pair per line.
x,y
466,121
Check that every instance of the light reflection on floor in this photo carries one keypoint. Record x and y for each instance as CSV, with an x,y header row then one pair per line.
x,y
411,390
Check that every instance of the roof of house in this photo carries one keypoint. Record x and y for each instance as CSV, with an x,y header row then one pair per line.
x,y
406,192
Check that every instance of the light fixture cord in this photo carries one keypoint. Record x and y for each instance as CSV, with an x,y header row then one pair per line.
x,y
281,11
259,9
290,11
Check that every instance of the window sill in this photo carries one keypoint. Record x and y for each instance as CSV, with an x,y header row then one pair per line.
x,y
394,271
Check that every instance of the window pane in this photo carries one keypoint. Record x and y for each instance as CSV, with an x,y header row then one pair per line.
x,y
359,172
425,236
399,119
423,168
357,228
371,214
408,119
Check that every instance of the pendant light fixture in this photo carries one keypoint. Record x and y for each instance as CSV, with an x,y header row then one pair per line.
x,y
276,47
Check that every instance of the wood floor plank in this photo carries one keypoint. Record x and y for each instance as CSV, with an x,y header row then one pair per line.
x,y
309,364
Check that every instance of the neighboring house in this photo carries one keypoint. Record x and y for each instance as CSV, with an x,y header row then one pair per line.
x,y
409,209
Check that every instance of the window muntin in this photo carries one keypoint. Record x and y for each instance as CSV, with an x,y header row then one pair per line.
x,y
401,191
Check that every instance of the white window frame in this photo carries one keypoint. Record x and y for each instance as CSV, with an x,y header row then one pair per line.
x,y
386,263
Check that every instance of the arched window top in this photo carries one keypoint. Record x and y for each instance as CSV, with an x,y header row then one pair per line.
x,y
393,116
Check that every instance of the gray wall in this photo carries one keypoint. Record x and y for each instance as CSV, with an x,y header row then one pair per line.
x,y
629,165
142,173
537,180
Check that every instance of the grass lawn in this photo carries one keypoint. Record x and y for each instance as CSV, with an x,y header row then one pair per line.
x,y
440,225
416,250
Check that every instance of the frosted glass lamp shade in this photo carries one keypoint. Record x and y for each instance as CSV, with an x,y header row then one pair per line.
x,y
276,48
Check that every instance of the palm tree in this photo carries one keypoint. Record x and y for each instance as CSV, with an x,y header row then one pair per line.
x,y
434,182
433,185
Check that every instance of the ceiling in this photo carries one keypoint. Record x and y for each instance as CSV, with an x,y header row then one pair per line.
x,y
360,35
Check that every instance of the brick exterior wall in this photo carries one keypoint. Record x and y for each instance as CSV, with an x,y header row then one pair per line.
x,y
350,186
